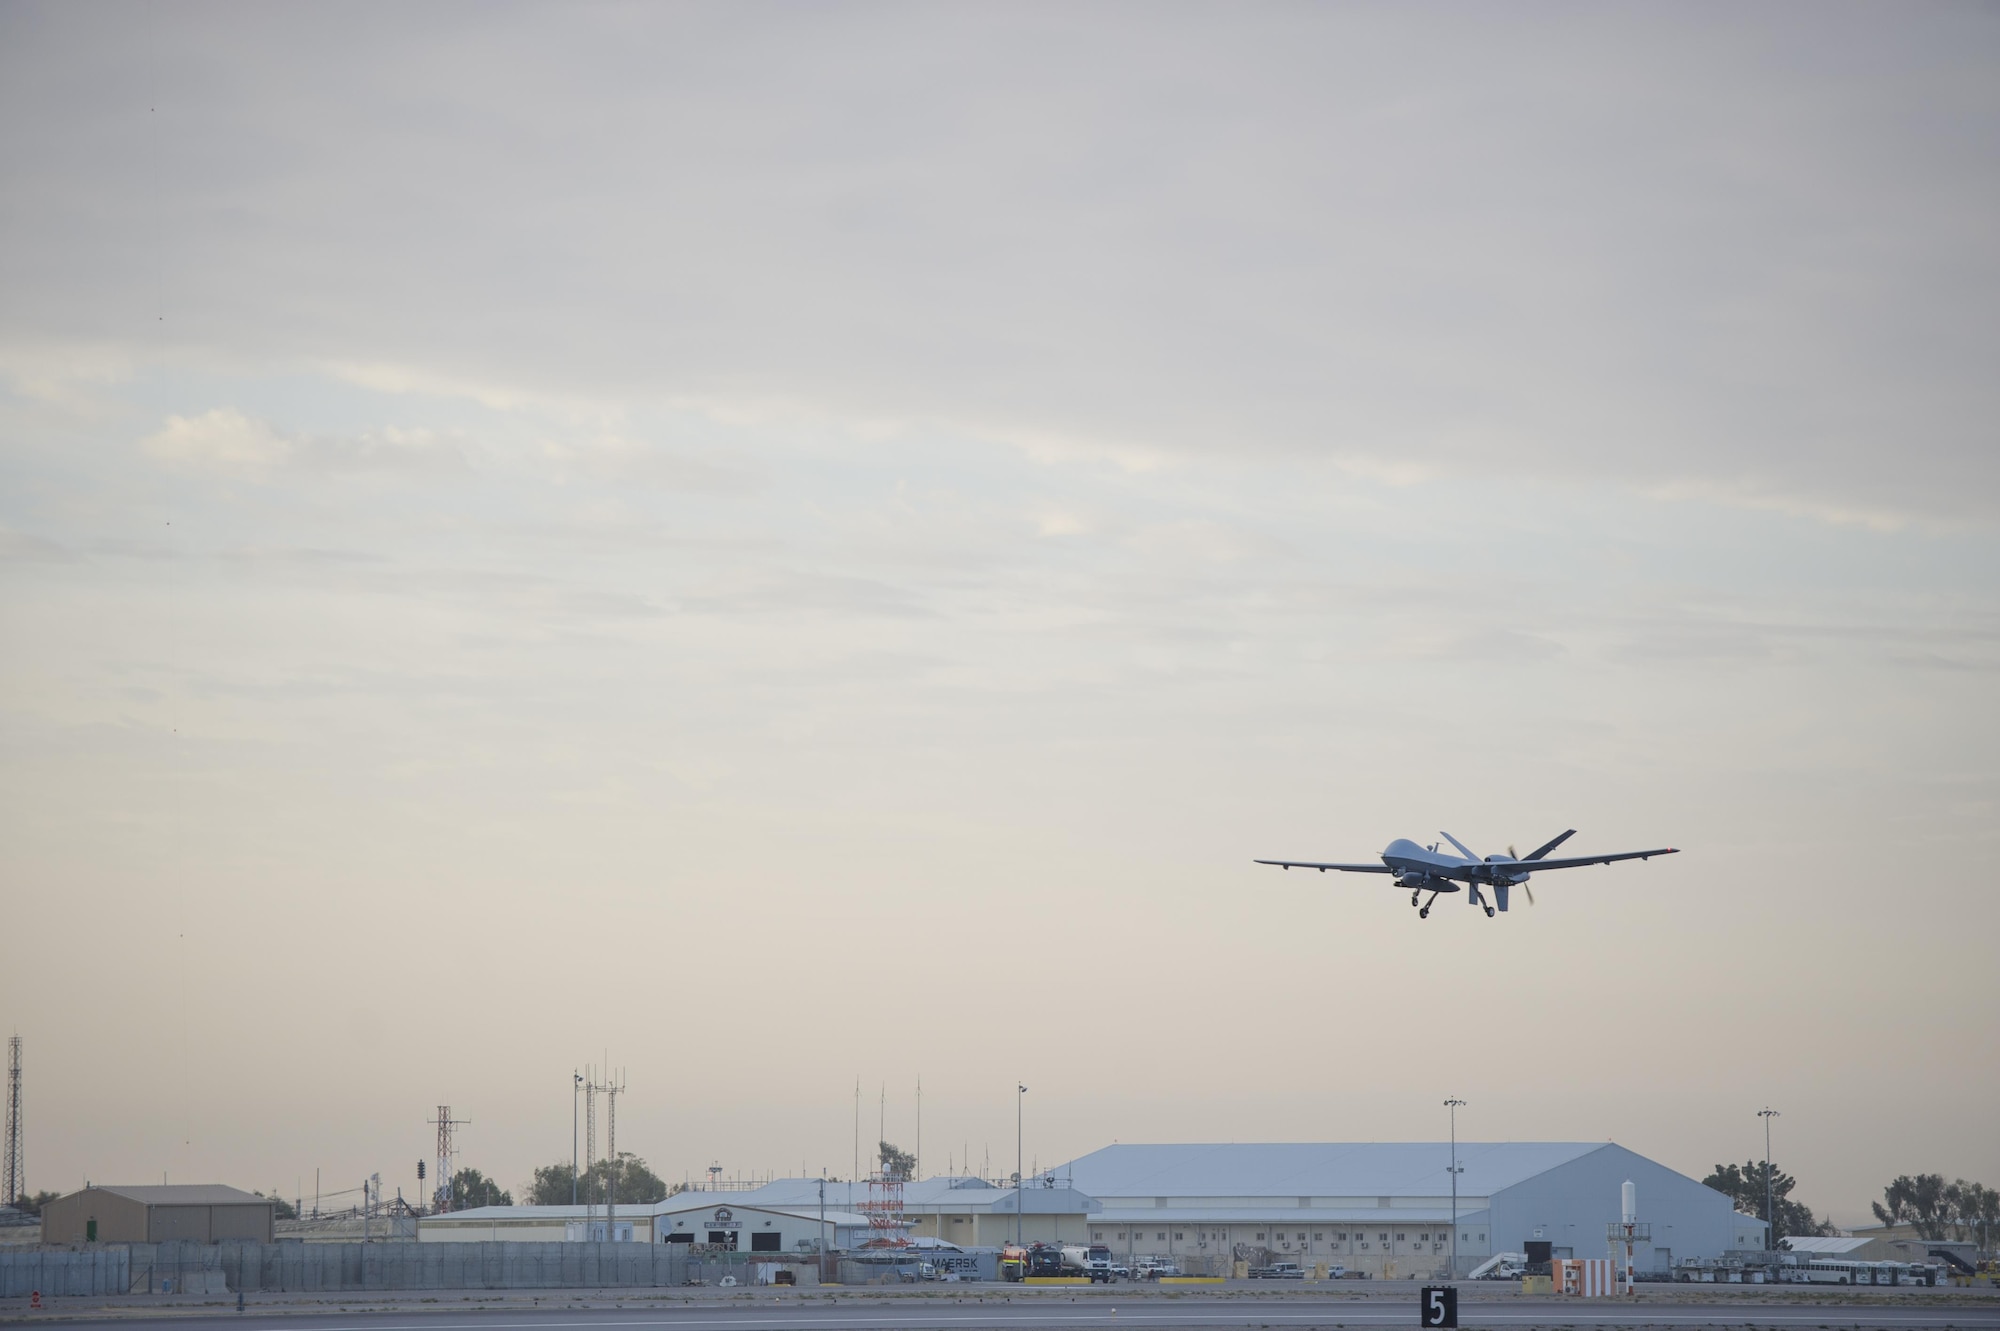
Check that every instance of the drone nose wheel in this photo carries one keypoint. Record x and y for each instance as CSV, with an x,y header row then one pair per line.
x,y
1424,914
1489,912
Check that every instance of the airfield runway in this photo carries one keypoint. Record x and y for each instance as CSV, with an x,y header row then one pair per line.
x,y
888,1312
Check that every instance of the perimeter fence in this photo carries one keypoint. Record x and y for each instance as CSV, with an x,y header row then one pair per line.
x,y
195,1268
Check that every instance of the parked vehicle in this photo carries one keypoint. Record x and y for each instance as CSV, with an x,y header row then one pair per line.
x,y
1152,1268
1278,1271
1091,1260
1046,1260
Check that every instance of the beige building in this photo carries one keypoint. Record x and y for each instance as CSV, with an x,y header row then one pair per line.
x,y
159,1213
968,1212
709,1221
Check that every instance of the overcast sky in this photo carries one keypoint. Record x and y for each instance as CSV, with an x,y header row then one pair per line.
x,y
801,543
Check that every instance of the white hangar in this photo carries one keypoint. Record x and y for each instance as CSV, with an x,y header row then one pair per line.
x,y
1386,1207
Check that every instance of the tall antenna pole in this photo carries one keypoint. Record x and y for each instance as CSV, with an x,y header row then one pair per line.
x,y
13,1169
1020,1099
590,1089
1770,1216
611,1150
447,1152
1453,1105
917,1156
855,1176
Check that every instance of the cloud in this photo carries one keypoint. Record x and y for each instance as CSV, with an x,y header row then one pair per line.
x,y
627,461
226,441
1643,249
28,548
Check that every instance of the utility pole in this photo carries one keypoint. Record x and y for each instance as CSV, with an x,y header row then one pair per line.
x,y
1770,1216
1453,1105
822,1225
1020,1181
575,1083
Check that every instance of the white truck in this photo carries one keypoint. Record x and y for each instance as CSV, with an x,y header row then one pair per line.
x,y
1500,1266
1092,1260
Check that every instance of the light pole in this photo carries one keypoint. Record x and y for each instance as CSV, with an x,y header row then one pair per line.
x,y
1770,1217
1452,1105
575,1084
1020,1183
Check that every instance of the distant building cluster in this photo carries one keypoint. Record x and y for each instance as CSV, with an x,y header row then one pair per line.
x,y
1384,1209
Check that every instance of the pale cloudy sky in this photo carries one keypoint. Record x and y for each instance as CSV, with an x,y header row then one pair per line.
x,y
795,543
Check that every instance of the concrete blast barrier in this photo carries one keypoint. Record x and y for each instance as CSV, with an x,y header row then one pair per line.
x,y
156,1268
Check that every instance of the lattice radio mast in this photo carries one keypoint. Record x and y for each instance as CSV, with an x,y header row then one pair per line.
x,y
447,1152
611,1091
589,1151
13,1171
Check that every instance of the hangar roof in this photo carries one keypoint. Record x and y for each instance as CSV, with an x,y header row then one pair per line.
x,y
1831,1246
677,1204
1281,1216
943,1192
1315,1169
184,1194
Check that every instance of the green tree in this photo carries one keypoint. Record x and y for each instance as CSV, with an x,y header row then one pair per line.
x,y
470,1188
1744,1185
551,1186
1975,1211
637,1184
1919,1201
285,1211
897,1164
32,1205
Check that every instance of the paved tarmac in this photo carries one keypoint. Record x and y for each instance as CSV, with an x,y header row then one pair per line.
x,y
886,1311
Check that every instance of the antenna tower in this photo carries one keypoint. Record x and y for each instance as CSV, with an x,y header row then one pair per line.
x,y
12,1170
589,1140
884,1207
611,1091
447,1152
592,1088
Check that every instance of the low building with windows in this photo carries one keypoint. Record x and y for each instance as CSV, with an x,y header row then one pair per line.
x,y
1385,1208
969,1212
710,1221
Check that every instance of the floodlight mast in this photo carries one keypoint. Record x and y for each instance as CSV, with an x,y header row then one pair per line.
x,y
1770,1216
1453,1106
1020,1181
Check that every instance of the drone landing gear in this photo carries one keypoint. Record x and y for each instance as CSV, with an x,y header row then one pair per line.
x,y
1425,913
1413,898
1489,912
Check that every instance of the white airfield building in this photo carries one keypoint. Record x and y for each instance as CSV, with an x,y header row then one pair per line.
x,y
1384,1208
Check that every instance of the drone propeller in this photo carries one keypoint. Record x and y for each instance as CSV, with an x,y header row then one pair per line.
x,y
1512,854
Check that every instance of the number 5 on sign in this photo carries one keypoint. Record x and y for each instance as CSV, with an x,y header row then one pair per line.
x,y
1439,1306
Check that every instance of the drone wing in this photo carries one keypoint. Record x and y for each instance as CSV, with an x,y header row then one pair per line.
x,y
1342,868
1536,866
